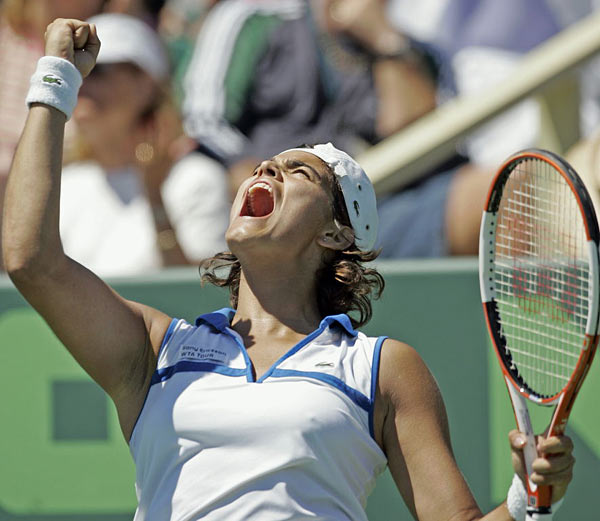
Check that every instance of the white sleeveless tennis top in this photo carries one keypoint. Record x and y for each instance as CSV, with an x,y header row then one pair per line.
x,y
212,443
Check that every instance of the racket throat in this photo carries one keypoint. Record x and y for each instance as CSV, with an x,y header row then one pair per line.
x,y
559,418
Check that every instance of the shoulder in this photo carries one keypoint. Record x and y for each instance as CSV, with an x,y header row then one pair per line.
x,y
405,381
399,357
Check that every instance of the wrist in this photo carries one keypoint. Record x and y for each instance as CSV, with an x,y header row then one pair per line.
x,y
55,83
414,54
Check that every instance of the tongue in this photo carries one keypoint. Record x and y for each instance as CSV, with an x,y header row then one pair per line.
x,y
260,202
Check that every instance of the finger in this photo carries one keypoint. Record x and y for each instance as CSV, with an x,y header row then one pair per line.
x,y
93,43
558,478
63,36
517,440
553,464
555,445
518,463
80,36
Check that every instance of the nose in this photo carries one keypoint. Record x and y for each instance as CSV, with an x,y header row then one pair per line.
x,y
269,168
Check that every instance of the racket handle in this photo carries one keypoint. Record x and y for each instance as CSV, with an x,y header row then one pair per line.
x,y
538,503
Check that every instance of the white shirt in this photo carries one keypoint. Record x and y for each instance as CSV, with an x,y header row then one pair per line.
x,y
106,221
212,443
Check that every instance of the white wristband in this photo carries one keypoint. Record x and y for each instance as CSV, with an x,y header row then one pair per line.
x,y
56,83
516,500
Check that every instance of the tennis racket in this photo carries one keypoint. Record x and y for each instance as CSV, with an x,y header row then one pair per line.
x,y
538,272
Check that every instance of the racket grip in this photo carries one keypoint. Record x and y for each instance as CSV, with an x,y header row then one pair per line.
x,y
539,504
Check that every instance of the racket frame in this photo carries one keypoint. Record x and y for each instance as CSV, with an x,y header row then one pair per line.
x,y
539,498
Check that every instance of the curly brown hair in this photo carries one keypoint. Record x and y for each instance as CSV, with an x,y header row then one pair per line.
x,y
345,284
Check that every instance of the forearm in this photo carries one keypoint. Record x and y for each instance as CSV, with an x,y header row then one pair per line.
x,y
30,233
404,94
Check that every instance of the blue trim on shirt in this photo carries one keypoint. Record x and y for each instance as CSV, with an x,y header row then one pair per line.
x,y
356,396
161,375
168,335
221,321
343,320
238,340
374,379
292,351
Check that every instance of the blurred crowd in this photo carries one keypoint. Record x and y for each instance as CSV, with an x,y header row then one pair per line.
x,y
188,96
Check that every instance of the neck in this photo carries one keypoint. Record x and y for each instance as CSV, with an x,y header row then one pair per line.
x,y
277,302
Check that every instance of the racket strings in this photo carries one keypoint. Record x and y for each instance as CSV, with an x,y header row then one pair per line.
x,y
541,275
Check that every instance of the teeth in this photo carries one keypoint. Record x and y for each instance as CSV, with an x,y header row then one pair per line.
x,y
264,186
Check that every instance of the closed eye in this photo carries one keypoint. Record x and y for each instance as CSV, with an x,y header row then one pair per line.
x,y
303,172
300,167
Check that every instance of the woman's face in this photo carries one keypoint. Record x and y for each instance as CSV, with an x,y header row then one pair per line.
x,y
283,207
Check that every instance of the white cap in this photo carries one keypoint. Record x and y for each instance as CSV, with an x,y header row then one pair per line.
x,y
357,189
125,39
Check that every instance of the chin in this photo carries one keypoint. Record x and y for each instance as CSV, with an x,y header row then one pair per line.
x,y
239,234
243,240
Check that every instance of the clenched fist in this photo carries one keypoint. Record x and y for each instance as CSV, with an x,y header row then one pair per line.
x,y
75,41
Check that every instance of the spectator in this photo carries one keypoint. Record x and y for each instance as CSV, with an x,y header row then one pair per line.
x,y
268,75
135,199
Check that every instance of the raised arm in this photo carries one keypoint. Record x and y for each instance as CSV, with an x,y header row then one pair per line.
x,y
113,339
412,428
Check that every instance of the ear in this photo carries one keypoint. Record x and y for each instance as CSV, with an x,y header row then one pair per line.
x,y
337,237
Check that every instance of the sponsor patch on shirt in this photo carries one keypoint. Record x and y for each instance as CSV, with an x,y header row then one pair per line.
x,y
204,354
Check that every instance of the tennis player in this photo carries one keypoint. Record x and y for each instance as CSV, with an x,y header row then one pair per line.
x,y
277,409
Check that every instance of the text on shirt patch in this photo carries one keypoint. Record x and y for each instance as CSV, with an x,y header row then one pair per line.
x,y
203,354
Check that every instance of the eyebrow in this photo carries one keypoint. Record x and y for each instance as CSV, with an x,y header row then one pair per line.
x,y
295,163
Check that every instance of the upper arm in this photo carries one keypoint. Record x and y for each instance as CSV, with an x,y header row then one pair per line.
x,y
113,339
412,427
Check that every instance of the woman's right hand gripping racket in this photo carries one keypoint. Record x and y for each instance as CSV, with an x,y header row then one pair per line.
x,y
538,269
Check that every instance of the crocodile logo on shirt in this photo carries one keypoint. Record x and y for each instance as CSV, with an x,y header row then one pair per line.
x,y
324,364
50,78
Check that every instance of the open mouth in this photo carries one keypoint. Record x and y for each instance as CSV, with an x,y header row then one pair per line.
x,y
259,200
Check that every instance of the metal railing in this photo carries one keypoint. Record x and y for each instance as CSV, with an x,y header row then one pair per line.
x,y
403,157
